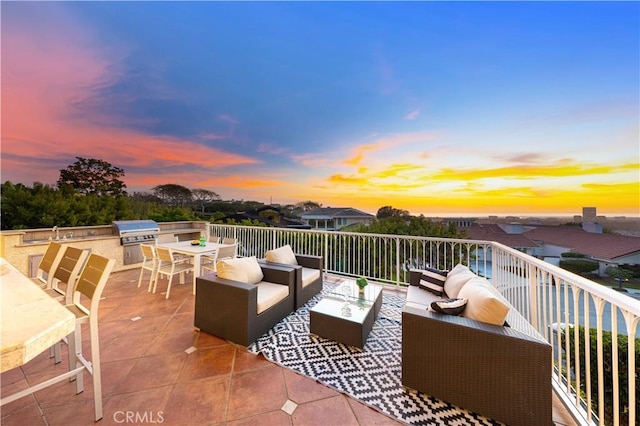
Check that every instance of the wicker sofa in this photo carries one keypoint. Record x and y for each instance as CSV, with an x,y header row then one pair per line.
x,y
501,372
229,309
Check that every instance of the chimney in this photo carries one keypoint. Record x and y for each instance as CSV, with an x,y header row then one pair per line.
x,y
592,227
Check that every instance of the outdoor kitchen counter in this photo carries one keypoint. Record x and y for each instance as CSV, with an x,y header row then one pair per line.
x,y
23,248
68,240
26,255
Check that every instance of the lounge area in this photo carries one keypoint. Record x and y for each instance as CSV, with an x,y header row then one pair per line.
x,y
157,369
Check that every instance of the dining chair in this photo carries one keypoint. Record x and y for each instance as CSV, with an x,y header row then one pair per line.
x,y
169,266
88,291
48,264
149,263
208,262
229,240
214,239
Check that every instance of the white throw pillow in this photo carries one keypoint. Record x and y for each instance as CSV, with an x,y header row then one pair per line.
x,y
243,269
254,271
456,278
483,304
282,254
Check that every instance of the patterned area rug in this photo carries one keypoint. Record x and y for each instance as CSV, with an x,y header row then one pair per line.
x,y
371,375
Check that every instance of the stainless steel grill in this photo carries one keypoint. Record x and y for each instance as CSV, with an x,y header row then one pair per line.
x,y
136,231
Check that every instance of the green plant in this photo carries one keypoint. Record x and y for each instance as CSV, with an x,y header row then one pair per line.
x,y
579,266
361,282
607,364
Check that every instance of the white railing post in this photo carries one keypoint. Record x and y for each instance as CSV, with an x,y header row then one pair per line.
x,y
533,296
326,250
397,261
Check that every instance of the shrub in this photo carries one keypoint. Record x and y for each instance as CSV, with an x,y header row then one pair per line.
x,y
570,254
579,266
623,370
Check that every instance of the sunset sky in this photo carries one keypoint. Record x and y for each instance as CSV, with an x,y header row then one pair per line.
x,y
467,108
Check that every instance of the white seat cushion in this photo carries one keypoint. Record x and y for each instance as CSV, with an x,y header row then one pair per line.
x,y
309,275
419,298
282,254
270,294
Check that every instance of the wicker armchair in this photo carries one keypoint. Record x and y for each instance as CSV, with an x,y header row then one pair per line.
x,y
229,309
308,271
305,288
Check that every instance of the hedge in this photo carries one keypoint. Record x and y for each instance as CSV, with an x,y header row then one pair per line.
x,y
623,370
579,266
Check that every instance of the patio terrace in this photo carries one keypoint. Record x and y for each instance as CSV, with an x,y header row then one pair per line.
x,y
148,373
146,370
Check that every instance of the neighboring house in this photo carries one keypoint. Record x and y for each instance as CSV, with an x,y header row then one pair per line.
x,y
549,242
269,215
606,249
335,218
496,233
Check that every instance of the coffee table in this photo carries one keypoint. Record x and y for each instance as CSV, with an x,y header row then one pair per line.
x,y
346,316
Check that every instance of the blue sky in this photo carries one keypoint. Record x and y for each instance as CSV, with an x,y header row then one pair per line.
x,y
457,107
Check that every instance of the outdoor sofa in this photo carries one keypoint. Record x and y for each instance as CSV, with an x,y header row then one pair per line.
x,y
500,371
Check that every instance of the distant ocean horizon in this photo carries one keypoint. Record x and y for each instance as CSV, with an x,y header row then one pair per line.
x,y
524,215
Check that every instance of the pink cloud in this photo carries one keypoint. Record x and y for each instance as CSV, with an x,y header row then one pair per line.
x,y
412,115
45,73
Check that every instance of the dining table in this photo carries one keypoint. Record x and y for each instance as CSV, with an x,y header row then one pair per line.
x,y
31,322
194,250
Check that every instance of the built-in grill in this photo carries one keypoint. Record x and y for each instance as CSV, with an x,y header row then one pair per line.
x,y
136,231
133,233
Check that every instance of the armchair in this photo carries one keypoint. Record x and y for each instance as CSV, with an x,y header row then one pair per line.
x,y
308,270
242,311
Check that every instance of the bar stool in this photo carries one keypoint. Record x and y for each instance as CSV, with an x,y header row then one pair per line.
x,y
48,264
91,283
67,271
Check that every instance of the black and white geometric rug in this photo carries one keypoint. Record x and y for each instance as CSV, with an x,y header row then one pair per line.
x,y
371,375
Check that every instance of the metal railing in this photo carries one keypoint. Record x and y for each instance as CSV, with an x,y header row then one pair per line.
x,y
559,304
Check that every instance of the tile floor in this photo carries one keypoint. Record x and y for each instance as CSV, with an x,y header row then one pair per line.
x,y
156,369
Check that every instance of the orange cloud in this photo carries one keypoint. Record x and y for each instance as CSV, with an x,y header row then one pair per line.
x,y
562,169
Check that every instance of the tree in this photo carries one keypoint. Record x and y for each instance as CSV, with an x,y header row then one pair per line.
x,y
173,194
92,176
619,274
388,211
203,197
309,205
44,206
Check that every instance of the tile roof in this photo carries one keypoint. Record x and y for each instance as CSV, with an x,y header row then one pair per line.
x,y
497,234
601,246
334,212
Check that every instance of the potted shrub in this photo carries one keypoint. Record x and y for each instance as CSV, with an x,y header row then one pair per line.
x,y
361,282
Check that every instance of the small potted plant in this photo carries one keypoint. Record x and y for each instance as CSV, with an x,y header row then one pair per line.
x,y
361,283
